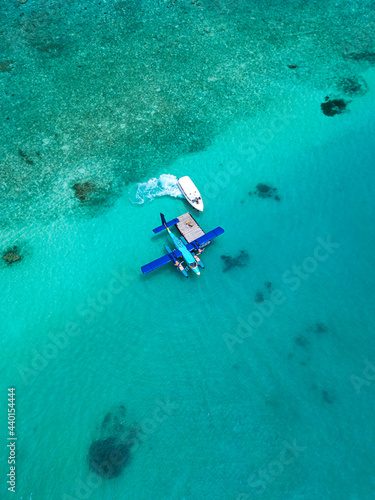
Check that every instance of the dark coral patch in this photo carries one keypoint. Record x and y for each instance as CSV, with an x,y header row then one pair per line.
x,y
12,255
259,297
111,452
25,157
231,262
92,195
352,86
83,190
6,66
319,327
198,142
333,107
106,420
361,56
264,191
301,341
108,457
112,424
327,397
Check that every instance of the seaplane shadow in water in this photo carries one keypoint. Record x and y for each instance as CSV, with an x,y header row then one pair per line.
x,y
185,256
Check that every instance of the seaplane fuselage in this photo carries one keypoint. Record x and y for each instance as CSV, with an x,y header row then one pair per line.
x,y
186,255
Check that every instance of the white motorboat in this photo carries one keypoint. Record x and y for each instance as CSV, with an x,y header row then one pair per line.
x,y
191,193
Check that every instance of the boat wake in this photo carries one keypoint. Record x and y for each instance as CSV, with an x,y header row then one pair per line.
x,y
165,185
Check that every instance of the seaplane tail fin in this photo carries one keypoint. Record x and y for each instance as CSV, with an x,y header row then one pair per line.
x,y
164,226
163,221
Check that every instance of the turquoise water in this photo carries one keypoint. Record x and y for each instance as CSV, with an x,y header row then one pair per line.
x,y
255,381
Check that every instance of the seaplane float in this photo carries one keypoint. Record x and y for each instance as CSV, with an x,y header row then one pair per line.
x,y
185,255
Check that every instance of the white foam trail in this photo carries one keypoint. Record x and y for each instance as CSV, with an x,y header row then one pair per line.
x,y
165,185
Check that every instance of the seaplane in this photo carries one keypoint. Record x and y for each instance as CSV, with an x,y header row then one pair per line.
x,y
188,247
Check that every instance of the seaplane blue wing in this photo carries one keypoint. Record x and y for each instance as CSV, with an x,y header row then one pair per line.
x,y
155,264
205,238
162,227
161,261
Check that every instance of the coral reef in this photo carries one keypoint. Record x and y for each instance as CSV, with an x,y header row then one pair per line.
x,y
6,66
332,107
318,327
83,190
111,452
352,86
265,191
12,255
25,157
240,261
301,341
361,56
108,457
